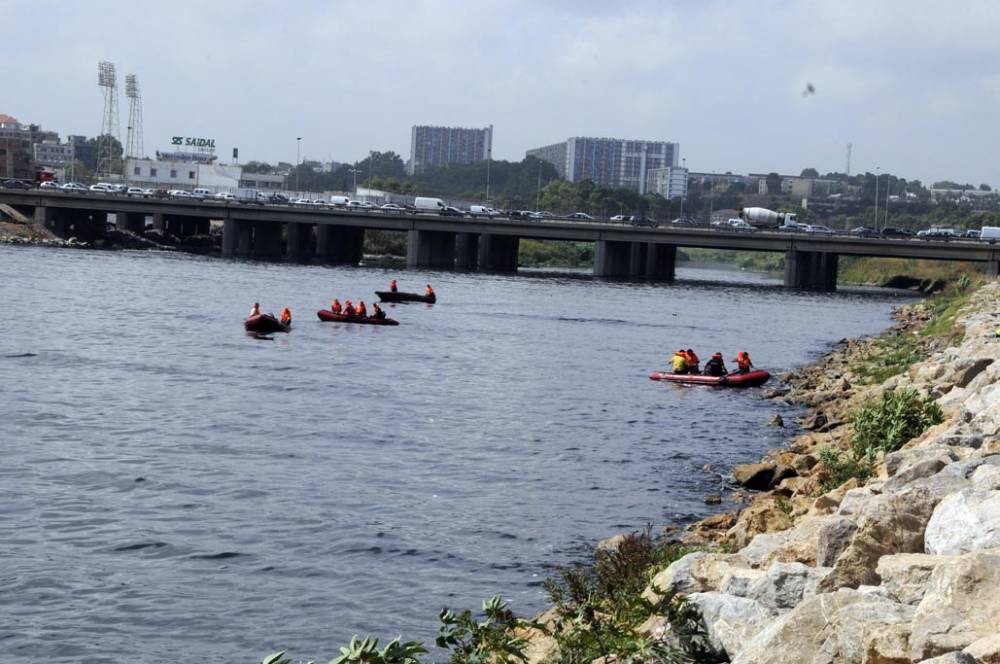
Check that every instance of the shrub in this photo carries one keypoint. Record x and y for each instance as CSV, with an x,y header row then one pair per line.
x,y
491,640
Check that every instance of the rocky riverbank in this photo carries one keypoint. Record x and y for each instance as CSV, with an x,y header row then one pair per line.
x,y
897,564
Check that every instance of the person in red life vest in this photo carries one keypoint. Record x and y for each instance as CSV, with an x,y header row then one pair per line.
x,y
716,366
362,310
429,292
692,361
743,362
377,313
392,286
335,306
349,309
286,316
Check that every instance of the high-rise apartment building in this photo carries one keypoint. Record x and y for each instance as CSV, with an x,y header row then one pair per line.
x,y
433,147
611,162
669,182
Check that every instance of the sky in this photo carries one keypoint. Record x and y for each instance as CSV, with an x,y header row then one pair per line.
x,y
913,85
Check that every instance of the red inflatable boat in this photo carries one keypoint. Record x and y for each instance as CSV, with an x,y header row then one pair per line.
x,y
329,316
750,379
265,324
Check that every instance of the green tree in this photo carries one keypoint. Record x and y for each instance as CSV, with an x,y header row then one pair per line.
x,y
773,184
985,187
810,173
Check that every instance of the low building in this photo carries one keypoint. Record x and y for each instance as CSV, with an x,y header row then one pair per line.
x,y
719,182
157,174
262,181
53,154
669,182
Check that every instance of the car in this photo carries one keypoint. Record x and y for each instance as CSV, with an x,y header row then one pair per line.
x,y
450,211
642,220
362,205
582,216
301,201
339,201
16,184
393,208
202,193
135,192
891,232
936,234
319,202
793,228
818,229
73,186
721,224
178,193
864,231
225,196
481,211
101,188
683,221
48,184
741,226
621,217
972,234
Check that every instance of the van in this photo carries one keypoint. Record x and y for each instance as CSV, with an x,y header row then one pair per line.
x,y
990,234
480,211
428,204
340,201
202,193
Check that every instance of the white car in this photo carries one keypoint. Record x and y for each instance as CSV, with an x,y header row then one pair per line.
x,y
301,201
819,229
202,193
393,207
581,215
48,184
364,205
740,225
179,193
135,191
73,186
319,202
620,217
225,196
101,188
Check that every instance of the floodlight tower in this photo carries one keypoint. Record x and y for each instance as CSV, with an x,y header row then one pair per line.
x,y
107,80
133,141
848,169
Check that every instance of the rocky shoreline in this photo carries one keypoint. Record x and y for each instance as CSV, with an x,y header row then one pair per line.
x,y
899,569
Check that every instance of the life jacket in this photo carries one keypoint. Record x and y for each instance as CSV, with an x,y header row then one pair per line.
x,y
361,309
743,360
335,307
392,285
286,316
429,291
680,363
692,358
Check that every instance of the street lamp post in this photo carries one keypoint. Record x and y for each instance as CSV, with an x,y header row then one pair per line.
x,y
298,159
355,171
876,199
489,155
538,192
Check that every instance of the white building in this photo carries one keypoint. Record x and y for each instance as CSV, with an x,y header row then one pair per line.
x,y
612,162
160,174
669,182
54,154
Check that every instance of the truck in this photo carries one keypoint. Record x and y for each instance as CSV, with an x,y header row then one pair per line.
x,y
990,233
764,218
251,196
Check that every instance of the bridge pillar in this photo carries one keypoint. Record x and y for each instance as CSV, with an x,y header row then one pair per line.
x,y
811,270
266,240
498,253
339,245
433,249
230,236
87,225
467,251
637,256
661,260
298,241
44,217
993,268
612,258
134,222
244,238
159,221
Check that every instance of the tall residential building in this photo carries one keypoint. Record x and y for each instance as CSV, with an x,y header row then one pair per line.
x,y
16,154
669,182
54,154
611,162
433,147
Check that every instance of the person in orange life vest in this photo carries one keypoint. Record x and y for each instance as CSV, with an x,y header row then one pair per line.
x,y
377,313
286,316
255,309
692,361
335,306
743,361
362,310
349,309
392,286
715,366
429,292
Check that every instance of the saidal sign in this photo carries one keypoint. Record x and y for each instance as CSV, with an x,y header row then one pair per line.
x,y
193,142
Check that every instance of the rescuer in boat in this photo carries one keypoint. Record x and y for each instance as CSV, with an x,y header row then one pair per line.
x,y
392,286
362,311
349,309
680,362
255,309
743,362
286,316
429,292
378,313
692,361
715,366
335,306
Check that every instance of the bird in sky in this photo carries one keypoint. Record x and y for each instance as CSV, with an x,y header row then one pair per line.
x,y
810,90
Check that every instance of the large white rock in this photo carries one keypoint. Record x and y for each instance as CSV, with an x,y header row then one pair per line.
x,y
731,621
951,658
696,572
905,575
784,585
985,650
965,521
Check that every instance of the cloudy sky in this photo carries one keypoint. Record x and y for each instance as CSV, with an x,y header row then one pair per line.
x,y
914,85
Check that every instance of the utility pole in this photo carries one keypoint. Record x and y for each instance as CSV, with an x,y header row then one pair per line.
x,y
298,160
876,199
887,191
538,193
355,171
489,154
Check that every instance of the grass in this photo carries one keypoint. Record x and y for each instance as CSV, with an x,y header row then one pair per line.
x,y
555,253
878,271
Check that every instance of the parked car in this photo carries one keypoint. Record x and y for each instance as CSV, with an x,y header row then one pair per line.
x,y
393,208
642,220
225,196
864,231
818,229
892,232
583,216
73,186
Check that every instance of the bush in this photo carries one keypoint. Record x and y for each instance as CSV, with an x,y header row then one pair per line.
x,y
880,428
492,640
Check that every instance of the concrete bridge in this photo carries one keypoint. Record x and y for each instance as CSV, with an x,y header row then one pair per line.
x,y
336,236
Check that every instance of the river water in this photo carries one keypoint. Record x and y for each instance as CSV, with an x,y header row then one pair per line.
x,y
172,489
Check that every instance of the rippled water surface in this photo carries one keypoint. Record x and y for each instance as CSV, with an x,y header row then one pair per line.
x,y
171,488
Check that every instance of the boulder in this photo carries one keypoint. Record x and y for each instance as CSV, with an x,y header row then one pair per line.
x,y
986,650
824,629
783,585
763,515
611,544
797,544
696,572
756,476
730,621
953,477
960,606
738,581
887,644
951,658
905,575
886,524
968,520
834,536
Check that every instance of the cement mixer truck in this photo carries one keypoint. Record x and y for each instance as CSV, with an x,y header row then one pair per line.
x,y
764,218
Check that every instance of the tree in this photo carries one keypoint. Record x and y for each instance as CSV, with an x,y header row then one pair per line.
x,y
810,173
985,187
773,184
257,167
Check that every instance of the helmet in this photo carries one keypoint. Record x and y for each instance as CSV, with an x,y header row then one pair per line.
x,y
717,356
